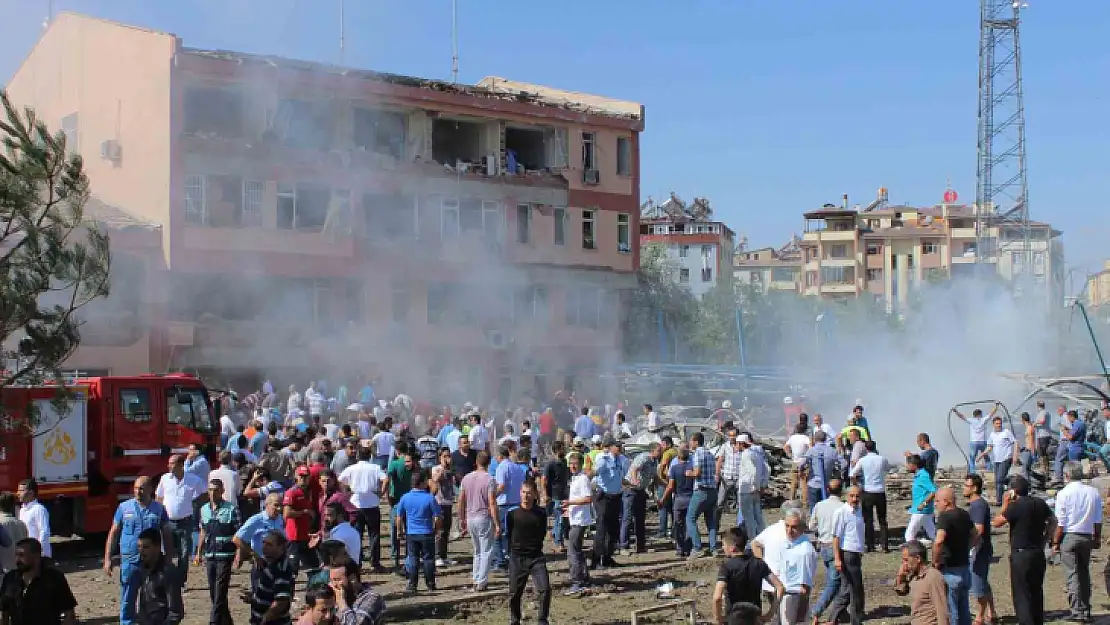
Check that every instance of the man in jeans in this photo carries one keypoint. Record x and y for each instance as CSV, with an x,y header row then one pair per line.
x,y
822,518
749,487
478,517
728,468
579,508
556,481
704,501
819,468
642,475
956,536
420,515
510,475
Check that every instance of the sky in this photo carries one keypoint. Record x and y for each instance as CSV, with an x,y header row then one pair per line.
x,y
768,108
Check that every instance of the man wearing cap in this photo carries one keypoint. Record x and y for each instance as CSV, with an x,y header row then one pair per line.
x,y
610,469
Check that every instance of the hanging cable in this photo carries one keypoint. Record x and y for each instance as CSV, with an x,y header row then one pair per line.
x,y
954,409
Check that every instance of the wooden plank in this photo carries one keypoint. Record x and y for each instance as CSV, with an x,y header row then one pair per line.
x,y
691,606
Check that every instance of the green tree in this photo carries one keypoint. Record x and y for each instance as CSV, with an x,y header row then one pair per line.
x,y
712,337
660,310
52,261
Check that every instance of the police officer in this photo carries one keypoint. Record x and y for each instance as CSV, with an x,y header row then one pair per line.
x,y
133,516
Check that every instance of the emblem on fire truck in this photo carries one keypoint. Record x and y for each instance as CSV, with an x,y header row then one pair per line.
x,y
59,448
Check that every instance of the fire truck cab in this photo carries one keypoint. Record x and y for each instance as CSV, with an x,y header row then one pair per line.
x,y
114,430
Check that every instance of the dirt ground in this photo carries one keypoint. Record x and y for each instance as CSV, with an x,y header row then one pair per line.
x,y
630,587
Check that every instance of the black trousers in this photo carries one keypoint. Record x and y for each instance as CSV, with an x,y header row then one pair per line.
x,y
302,557
219,580
443,537
850,597
608,509
874,504
369,520
1027,569
681,541
520,569
636,518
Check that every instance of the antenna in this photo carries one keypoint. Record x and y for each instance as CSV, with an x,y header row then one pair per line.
x,y
49,14
342,35
454,41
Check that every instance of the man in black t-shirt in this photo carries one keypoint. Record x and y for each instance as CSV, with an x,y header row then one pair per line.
x,y
980,512
1031,524
35,593
464,459
741,576
525,528
956,535
556,488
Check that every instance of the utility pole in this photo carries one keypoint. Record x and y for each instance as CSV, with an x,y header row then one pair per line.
x,y
1002,190
342,34
454,41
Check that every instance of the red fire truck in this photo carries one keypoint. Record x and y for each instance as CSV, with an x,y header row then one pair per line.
x,y
113,430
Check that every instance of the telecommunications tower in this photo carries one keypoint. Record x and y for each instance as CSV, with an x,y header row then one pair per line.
x,y
1002,190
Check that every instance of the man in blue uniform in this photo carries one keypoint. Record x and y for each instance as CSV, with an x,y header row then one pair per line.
x,y
133,516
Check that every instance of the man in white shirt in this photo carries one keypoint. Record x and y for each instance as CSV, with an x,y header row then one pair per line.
x,y
479,436
978,437
35,515
228,476
579,510
871,470
748,487
797,446
848,547
227,429
177,490
651,416
820,425
768,545
365,481
293,405
384,443
1079,512
798,562
336,527
1003,452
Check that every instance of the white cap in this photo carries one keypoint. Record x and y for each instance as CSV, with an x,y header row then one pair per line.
x,y
578,440
787,400
859,402
743,438
726,404
596,439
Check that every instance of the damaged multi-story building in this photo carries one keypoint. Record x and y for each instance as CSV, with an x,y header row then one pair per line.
x,y
769,269
318,221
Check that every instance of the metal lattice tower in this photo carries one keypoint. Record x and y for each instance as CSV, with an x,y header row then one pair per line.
x,y
1002,190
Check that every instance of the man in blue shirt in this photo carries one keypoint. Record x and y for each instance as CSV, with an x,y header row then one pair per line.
x,y
610,471
584,426
421,516
924,491
509,476
1073,437
248,540
134,516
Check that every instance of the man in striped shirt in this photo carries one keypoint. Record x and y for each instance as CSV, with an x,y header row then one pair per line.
x,y
274,593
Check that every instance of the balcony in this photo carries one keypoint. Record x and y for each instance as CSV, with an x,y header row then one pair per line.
x,y
838,287
263,240
830,235
845,261
963,233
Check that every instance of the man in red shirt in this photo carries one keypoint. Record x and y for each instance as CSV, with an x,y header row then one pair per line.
x,y
300,512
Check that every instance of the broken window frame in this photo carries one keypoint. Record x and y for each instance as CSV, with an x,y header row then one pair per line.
x,y
589,230
294,191
479,160
230,130
561,217
449,218
684,275
254,193
523,223
557,141
624,233
706,274
624,156
321,114
375,143
589,150
492,220
194,192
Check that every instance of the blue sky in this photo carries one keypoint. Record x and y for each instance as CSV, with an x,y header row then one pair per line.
x,y
766,107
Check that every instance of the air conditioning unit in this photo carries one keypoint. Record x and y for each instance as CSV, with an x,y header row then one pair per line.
x,y
491,164
497,339
111,150
591,176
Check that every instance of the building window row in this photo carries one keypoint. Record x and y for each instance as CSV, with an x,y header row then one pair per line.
x,y
465,142
233,201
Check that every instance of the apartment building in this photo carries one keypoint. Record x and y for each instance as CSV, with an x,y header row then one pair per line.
x,y
700,248
770,269
889,251
1098,287
459,241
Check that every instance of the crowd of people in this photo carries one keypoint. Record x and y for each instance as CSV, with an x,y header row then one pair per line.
x,y
304,489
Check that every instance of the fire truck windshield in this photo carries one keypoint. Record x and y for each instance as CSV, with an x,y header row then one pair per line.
x,y
192,412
